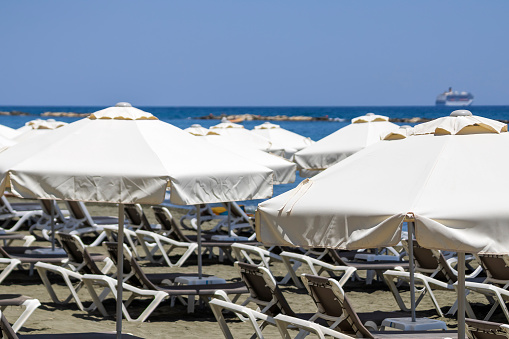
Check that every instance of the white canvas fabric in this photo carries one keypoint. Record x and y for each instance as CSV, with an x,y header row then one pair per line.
x,y
125,155
6,143
454,187
340,145
284,170
8,132
291,142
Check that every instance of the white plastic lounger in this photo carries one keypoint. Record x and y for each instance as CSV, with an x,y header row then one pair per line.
x,y
158,242
30,305
317,267
7,213
244,313
284,321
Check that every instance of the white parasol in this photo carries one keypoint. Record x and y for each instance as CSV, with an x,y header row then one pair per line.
x,y
449,179
124,155
291,142
362,132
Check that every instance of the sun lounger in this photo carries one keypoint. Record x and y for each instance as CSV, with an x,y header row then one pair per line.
x,y
166,220
80,262
255,255
43,225
378,266
496,283
32,258
7,332
478,329
206,214
156,244
11,264
239,220
333,305
156,278
90,275
284,321
244,313
317,267
432,271
265,293
145,287
86,224
30,305
138,220
9,238
23,212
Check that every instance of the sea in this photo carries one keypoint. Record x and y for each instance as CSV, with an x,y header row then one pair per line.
x,y
337,117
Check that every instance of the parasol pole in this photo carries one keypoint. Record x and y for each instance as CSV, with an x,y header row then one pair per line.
x,y
198,221
411,227
228,204
461,294
120,268
52,225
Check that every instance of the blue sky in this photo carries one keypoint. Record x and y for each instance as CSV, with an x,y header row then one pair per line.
x,y
252,53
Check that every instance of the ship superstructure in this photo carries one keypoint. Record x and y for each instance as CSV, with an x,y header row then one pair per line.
x,y
454,98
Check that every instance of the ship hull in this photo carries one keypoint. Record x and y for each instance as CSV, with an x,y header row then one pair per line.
x,y
460,103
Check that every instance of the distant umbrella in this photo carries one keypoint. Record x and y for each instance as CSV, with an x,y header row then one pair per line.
x,y
362,132
37,127
199,130
290,142
237,134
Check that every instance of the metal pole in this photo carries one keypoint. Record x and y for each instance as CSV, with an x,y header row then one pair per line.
x,y
411,226
461,295
52,225
120,268
198,221
228,204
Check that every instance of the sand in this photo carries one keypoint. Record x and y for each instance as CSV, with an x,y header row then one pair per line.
x,y
175,322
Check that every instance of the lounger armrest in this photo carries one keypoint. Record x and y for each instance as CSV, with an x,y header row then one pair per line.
x,y
283,321
239,309
9,261
59,269
108,265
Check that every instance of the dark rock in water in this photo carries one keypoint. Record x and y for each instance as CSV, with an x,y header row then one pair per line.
x,y
251,117
65,114
14,113
414,120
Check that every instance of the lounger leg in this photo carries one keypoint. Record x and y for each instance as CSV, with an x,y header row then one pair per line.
x,y
158,298
97,301
433,299
30,305
218,313
389,280
12,264
190,250
100,238
292,271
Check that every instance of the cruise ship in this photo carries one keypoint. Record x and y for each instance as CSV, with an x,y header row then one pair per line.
x,y
450,98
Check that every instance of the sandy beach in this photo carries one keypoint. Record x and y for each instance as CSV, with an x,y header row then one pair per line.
x,y
175,322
